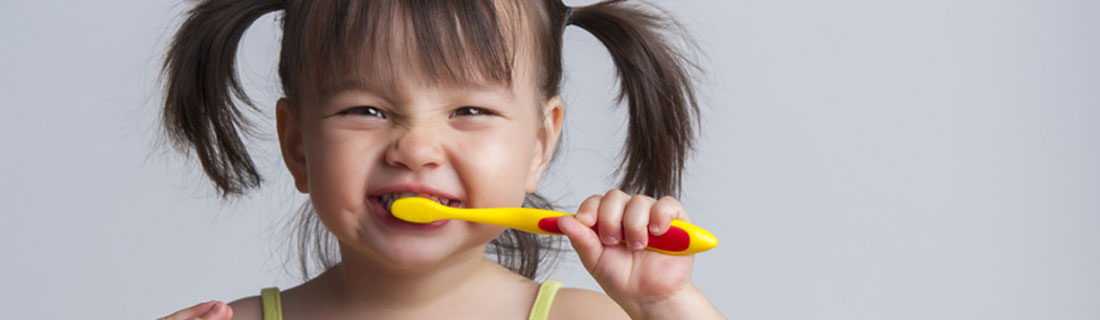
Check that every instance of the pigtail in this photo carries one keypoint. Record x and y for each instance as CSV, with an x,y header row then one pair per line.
x,y
201,82
657,88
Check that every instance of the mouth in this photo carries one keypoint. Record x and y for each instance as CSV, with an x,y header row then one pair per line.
x,y
387,199
382,200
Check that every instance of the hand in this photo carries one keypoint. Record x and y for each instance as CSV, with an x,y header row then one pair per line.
x,y
211,310
634,277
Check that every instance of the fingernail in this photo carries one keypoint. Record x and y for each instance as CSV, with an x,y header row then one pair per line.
x,y
654,228
636,245
610,240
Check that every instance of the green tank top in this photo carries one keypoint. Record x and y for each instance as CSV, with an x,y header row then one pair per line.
x,y
273,307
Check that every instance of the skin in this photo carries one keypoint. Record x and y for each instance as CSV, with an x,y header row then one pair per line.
x,y
486,146
419,135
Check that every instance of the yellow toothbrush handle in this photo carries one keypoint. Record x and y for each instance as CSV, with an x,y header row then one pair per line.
x,y
682,238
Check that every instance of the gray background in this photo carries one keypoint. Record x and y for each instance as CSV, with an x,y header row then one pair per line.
x,y
860,160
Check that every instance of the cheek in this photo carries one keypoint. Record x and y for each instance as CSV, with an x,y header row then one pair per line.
x,y
337,167
494,166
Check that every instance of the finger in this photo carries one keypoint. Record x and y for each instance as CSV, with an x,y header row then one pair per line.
x,y
190,312
219,311
585,241
609,220
635,220
586,214
666,209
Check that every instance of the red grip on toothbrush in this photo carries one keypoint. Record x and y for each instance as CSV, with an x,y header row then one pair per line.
x,y
675,239
550,225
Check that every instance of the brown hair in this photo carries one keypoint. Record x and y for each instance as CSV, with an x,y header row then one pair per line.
x,y
327,42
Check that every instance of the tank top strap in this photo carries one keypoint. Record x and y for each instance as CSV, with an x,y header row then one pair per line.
x,y
273,305
545,297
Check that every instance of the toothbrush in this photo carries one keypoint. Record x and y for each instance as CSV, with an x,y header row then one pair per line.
x,y
682,238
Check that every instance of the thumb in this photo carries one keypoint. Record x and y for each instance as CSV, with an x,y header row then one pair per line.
x,y
220,311
584,240
191,312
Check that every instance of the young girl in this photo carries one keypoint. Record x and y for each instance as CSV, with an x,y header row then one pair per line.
x,y
457,101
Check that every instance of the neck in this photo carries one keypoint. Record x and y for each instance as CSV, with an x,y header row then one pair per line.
x,y
361,283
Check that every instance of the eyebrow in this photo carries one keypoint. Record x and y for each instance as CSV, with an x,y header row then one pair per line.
x,y
359,85
349,85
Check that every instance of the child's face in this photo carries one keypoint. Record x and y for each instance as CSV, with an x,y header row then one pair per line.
x,y
480,146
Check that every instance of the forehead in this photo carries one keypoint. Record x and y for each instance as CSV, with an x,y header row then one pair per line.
x,y
470,44
404,89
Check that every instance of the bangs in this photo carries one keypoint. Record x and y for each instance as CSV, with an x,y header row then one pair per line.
x,y
335,45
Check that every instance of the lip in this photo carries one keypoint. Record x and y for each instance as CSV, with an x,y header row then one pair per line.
x,y
414,188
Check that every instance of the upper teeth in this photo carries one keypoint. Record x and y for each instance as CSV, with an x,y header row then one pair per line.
x,y
388,199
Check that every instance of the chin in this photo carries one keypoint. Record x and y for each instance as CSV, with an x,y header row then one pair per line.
x,y
410,253
411,256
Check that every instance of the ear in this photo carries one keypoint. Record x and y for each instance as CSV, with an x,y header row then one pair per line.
x,y
290,143
549,132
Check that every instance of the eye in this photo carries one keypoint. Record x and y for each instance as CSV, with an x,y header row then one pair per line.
x,y
363,110
471,111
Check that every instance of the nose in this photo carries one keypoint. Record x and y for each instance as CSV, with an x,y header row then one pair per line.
x,y
415,148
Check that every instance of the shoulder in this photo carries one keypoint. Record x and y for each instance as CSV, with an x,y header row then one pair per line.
x,y
577,303
247,308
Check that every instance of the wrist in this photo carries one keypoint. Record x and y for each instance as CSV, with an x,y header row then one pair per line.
x,y
689,303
